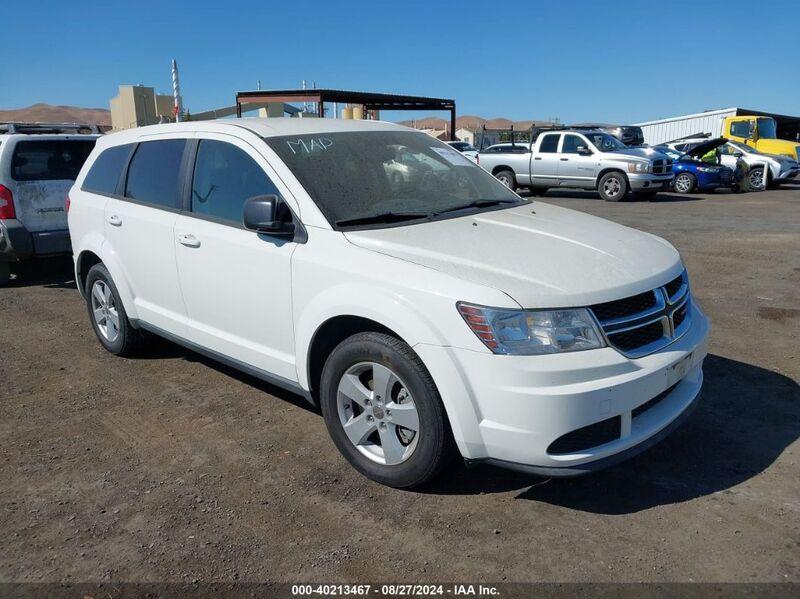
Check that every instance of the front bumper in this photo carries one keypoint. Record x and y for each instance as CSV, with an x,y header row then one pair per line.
x,y
509,410
787,176
642,182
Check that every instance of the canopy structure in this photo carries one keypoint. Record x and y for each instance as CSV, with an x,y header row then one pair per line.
x,y
369,100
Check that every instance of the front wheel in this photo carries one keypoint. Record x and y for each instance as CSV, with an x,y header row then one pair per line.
x,y
383,411
756,179
538,191
685,183
507,178
613,186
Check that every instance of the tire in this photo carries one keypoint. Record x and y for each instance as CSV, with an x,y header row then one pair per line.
x,y
103,303
755,179
538,191
507,178
685,183
5,273
613,186
374,443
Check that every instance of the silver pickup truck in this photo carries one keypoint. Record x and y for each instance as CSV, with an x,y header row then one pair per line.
x,y
581,159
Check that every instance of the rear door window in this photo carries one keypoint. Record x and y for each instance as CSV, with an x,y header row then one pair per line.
x,y
107,169
154,172
49,159
225,177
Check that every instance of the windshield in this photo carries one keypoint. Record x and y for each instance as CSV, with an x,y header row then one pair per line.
x,y
605,142
766,129
744,148
384,176
674,154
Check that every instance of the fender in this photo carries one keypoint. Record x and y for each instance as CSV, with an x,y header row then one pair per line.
x,y
363,300
411,324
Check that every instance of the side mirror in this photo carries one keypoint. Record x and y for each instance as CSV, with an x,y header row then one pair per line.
x,y
261,215
738,154
583,151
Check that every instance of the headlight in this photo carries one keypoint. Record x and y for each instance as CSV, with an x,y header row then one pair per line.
x,y
707,169
638,167
532,332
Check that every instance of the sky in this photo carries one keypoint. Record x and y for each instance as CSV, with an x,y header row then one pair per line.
x,y
612,61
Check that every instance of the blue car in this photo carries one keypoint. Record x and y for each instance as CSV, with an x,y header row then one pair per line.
x,y
693,174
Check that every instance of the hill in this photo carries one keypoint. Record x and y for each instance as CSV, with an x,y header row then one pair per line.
x,y
47,113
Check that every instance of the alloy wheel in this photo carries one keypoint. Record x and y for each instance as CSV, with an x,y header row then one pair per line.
x,y
377,412
757,178
104,311
683,184
612,187
504,179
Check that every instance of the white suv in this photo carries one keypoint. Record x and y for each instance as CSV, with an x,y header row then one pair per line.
x,y
425,315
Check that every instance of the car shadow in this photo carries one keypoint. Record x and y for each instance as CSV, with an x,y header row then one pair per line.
x,y
745,420
52,273
159,348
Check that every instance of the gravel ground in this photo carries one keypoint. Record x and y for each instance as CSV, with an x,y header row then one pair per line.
x,y
172,468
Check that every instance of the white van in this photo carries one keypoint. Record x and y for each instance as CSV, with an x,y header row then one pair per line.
x,y
428,315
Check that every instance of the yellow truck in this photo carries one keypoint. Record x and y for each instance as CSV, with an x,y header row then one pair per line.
x,y
760,133
759,130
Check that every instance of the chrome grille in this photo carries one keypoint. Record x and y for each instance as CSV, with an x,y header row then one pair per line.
x,y
644,323
661,166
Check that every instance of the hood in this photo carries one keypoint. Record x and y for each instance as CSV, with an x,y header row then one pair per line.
x,y
542,256
640,153
706,147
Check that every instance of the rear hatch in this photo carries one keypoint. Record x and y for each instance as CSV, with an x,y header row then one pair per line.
x,y
42,170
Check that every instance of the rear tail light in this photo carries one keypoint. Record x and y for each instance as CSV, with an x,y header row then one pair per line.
x,y
6,203
66,204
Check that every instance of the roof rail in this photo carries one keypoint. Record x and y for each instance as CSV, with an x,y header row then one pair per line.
x,y
49,128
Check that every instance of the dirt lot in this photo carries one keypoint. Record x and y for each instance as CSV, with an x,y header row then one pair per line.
x,y
169,467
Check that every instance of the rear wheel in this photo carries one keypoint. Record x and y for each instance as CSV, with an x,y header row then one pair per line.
x,y
384,412
613,186
507,178
5,273
685,183
107,314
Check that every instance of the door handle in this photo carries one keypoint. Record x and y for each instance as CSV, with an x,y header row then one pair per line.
x,y
115,220
189,240
538,158
565,160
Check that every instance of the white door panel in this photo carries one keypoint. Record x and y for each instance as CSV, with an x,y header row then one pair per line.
x,y
237,288
142,237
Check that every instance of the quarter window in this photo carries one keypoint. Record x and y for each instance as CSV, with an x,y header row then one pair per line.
x,y
549,144
154,173
571,143
106,170
225,177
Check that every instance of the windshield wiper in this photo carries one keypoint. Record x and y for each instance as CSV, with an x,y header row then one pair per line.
x,y
478,204
384,217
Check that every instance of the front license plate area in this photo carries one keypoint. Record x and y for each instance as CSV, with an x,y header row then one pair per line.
x,y
679,369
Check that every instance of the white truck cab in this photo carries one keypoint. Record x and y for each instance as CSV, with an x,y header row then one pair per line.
x,y
428,315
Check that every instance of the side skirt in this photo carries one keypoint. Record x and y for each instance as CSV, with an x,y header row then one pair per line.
x,y
263,375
